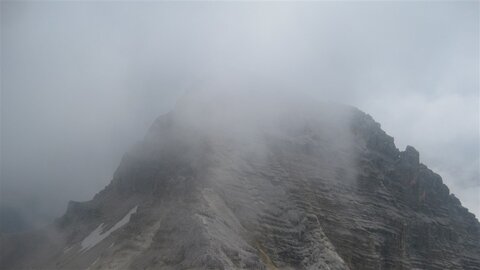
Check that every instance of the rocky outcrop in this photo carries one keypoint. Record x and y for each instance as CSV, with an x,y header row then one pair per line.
x,y
313,188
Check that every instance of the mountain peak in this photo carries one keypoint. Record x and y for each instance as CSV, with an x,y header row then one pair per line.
x,y
240,183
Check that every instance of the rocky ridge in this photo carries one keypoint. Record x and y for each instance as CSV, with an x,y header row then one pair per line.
x,y
320,187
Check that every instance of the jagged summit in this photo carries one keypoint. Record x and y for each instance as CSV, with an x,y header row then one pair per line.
x,y
241,183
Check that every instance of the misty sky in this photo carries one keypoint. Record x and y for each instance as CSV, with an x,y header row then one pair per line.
x,y
81,82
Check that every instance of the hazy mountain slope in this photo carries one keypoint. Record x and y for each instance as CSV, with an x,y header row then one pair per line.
x,y
291,185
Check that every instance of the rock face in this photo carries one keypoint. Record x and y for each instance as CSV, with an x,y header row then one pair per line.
x,y
307,186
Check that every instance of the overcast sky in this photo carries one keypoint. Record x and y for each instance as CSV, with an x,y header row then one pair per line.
x,y
81,82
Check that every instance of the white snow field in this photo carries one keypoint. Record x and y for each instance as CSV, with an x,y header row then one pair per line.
x,y
98,235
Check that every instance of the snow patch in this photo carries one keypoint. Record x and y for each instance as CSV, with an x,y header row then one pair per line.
x,y
98,235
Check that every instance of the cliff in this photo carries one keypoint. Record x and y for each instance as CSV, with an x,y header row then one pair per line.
x,y
304,187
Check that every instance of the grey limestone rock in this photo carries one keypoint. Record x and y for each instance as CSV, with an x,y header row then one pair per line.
x,y
311,188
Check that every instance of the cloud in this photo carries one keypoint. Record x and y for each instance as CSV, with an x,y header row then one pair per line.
x,y
81,82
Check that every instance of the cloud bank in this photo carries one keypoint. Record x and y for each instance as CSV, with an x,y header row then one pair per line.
x,y
81,82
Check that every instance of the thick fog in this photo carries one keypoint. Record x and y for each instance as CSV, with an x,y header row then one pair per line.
x,y
82,82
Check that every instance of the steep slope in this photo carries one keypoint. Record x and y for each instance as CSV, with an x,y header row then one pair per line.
x,y
292,185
